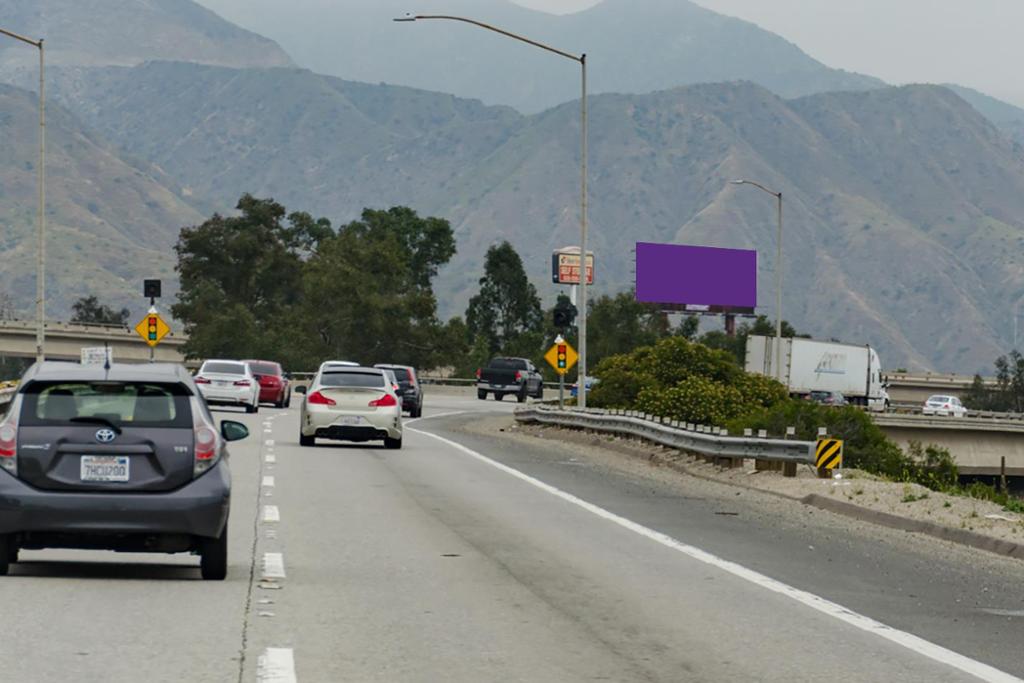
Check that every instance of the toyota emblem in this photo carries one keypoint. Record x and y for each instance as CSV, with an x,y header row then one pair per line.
x,y
105,435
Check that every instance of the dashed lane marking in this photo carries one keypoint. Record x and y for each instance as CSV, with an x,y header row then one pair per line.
x,y
273,566
920,646
268,480
271,458
276,665
271,513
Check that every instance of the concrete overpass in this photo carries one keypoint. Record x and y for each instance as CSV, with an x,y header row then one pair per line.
x,y
976,443
64,341
905,387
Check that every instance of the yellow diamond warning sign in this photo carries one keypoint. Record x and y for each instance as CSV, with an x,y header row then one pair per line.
x,y
561,356
152,328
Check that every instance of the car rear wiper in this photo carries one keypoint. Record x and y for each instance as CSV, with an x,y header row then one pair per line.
x,y
96,420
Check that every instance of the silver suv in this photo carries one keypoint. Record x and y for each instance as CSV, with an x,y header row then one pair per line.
x,y
126,458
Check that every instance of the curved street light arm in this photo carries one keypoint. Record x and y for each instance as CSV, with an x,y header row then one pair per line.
x,y
524,39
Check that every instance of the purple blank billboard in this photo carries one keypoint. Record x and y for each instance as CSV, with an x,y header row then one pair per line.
x,y
705,278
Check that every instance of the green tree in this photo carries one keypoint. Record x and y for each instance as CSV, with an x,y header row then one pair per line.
x,y
368,292
620,323
88,309
506,312
241,280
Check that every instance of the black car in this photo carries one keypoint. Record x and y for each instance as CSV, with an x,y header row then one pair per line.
x,y
125,458
409,388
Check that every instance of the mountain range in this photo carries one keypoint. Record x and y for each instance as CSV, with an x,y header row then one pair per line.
x,y
902,205
632,46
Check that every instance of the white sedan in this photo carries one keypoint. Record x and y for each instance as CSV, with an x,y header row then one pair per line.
x,y
351,404
229,383
944,405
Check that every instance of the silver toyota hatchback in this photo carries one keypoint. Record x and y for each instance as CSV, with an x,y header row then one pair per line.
x,y
123,458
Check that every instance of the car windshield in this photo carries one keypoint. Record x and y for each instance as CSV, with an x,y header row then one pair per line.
x,y
117,403
224,368
372,380
401,374
938,399
508,364
265,369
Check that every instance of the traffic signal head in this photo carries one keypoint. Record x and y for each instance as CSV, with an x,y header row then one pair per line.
x,y
562,357
151,289
564,316
152,328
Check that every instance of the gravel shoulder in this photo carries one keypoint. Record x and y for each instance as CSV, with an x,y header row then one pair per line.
x,y
854,493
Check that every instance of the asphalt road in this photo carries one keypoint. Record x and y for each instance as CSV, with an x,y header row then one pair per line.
x,y
474,558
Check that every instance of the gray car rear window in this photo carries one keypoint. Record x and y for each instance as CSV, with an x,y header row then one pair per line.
x,y
508,364
224,368
371,380
125,404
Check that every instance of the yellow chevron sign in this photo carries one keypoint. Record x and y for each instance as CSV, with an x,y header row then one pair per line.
x,y
829,454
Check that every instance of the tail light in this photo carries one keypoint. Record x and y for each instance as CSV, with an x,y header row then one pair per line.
x,y
519,375
202,380
412,380
478,373
242,383
9,444
318,399
206,450
384,401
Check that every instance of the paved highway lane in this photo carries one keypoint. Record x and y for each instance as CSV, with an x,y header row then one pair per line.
x,y
435,563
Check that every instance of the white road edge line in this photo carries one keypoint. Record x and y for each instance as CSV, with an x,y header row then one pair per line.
x,y
431,417
268,480
276,665
913,643
271,513
273,566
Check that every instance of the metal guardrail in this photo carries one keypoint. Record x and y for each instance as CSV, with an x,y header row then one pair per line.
x,y
685,437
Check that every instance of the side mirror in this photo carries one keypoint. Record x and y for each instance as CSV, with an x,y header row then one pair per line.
x,y
300,389
233,431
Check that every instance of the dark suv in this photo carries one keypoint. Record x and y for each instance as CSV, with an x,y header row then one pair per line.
x,y
126,458
409,388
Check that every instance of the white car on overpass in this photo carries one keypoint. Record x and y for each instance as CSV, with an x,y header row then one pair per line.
x,y
941,404
351,404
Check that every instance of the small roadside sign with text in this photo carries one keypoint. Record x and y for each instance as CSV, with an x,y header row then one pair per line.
x,y
565,266
97,355
561,356
152,328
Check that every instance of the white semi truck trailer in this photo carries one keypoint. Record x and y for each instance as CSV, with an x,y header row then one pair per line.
x,y
809,365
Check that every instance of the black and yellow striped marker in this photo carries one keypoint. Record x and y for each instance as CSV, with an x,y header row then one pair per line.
x,y
829,454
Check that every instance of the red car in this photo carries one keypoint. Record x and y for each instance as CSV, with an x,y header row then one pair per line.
x,y
274,385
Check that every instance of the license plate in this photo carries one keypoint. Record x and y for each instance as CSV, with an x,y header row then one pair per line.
x,y
221,383
350,421
105,468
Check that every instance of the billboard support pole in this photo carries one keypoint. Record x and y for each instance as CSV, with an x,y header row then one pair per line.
x,y
778,295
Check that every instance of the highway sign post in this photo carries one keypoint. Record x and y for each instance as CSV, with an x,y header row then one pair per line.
x,y
562,357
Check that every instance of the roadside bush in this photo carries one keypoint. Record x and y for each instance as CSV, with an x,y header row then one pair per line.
x,y
620,385
695,399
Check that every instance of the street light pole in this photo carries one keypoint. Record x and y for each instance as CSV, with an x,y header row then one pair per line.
x,y
582,61
41,209
778,276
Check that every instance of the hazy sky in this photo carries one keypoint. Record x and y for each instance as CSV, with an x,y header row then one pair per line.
x,y
969,42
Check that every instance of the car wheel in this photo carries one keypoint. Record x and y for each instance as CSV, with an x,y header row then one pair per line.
x,y
5,554
307,440
392,444
288,400
12,551
481,394
498,397
213,557
540,393
419,411
249,408
521,396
